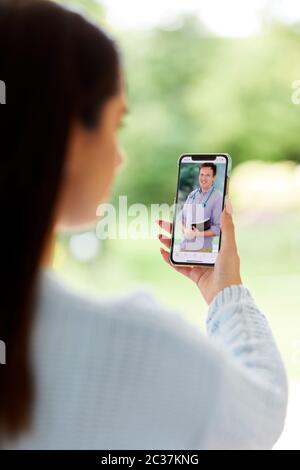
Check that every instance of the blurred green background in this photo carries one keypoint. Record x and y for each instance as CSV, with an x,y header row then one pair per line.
x,y
191,90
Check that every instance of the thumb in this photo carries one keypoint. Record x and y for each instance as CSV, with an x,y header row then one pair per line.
x,y
227,227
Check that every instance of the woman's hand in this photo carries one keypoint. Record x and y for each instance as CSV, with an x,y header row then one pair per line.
x,y
226,271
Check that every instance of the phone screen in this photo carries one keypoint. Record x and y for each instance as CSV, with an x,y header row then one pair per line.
x,y
201,190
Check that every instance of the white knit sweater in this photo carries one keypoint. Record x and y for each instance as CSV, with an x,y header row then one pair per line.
x,y
127,374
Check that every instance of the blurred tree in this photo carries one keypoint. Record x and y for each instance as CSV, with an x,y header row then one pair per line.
x,y
192,92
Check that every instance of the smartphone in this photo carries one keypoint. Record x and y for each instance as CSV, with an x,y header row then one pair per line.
x,y
202,184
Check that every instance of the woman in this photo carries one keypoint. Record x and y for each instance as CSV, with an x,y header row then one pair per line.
x,y
98,373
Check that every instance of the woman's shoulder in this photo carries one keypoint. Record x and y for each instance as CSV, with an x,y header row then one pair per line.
x,y
138,309
56,292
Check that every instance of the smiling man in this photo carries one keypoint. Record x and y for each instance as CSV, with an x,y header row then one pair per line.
x,y
204,203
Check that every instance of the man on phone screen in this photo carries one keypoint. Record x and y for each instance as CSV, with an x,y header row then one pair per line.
x,y
204,203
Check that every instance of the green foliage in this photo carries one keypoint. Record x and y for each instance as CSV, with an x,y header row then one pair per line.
x,y
192,92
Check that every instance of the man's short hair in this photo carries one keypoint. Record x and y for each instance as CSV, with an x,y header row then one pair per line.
x,y
209,165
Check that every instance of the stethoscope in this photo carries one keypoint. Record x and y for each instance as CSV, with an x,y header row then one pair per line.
x,y
206,200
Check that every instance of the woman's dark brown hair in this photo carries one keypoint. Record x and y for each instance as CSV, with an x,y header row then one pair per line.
x,y
209,165
56,66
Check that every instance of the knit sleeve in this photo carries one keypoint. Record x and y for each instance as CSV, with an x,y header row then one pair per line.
x,y
226,390
250,402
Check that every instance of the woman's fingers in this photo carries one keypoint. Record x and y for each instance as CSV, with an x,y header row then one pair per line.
x,y
193,273
228,232
165,225
165,240
197,273
185,270
165,255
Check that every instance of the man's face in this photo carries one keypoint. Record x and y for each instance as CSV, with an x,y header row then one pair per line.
x,y
206,178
